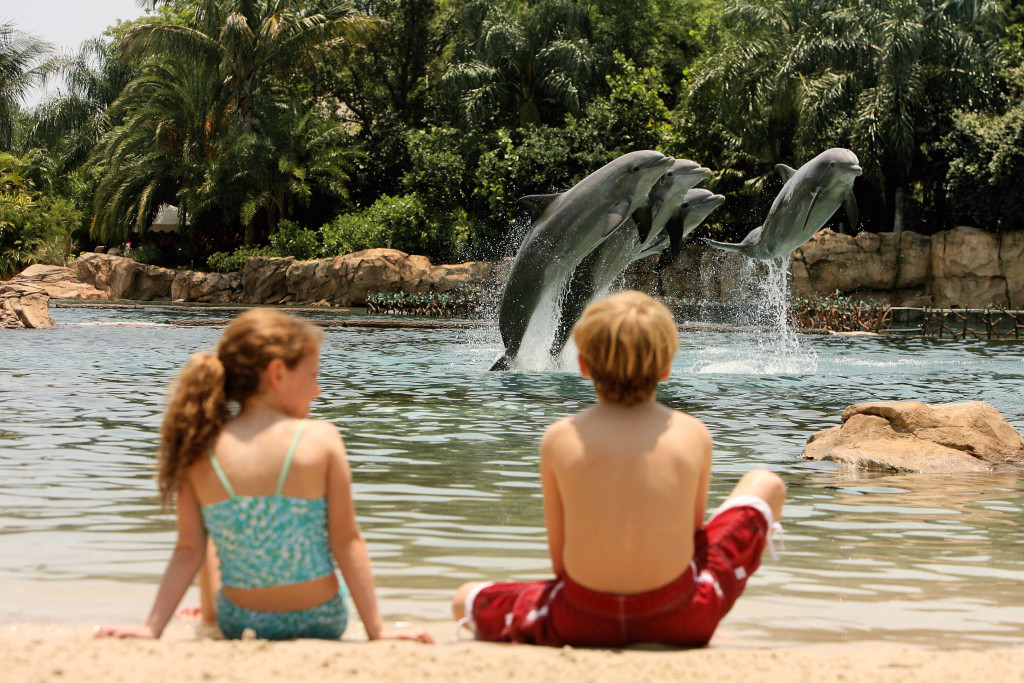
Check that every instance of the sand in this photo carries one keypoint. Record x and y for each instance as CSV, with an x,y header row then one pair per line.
x,y
50,652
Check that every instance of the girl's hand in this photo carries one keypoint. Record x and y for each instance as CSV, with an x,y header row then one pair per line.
x,y
418,636
124,632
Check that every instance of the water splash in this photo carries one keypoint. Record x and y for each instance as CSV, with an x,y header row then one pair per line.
x,y
763,341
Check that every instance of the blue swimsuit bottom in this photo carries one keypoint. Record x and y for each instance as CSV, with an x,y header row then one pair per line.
x,y
327,620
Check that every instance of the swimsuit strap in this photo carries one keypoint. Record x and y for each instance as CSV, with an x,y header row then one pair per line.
x,y
288,459
220,474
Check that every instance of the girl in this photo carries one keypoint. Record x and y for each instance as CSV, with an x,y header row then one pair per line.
x,y
272,489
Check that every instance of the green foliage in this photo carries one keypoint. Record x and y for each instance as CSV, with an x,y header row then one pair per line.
x,y
234,261
464,302
294,240
395,222
34,228
985,184
145,253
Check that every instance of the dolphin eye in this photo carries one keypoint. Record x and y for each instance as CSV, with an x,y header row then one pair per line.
x,y
636,167
831,164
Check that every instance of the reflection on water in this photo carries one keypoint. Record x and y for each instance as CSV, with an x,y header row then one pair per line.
x,y
444,457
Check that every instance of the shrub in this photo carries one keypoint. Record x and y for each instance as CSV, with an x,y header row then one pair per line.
x,y
290,239
234,261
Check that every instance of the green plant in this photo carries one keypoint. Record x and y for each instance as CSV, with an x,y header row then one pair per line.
x,y
293,240
234,261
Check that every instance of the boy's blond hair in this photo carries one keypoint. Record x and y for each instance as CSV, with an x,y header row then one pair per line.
x,y
627,341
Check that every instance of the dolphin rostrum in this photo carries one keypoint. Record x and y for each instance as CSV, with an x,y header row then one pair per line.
x,y
566,227
808,199
600,268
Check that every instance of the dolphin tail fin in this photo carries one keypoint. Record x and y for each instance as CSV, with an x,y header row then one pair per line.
x,y
725,246
502,362
852,213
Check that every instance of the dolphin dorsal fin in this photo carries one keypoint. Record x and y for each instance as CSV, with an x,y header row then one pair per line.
x,y
537,204
785,172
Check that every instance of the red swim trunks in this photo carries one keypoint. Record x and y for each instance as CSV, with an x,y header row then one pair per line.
x,y
684,612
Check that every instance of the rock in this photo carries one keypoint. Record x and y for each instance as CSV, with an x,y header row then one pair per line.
x,y
966,270
213,288
120,277
448,277
24,305
265,280
368,272
911,436
58,282
1011,259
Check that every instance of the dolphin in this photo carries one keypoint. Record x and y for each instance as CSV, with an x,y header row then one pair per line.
x,y
667,205
696,206
808,199
566,227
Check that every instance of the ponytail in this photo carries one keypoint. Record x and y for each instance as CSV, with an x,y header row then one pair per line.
x,y
198,410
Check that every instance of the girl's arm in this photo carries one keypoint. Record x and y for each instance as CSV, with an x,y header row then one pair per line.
x,y
349,548
181,570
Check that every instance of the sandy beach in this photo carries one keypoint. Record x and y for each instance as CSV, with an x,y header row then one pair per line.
x,y
51,652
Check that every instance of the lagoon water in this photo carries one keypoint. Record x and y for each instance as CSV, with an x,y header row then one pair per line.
x,y
444,458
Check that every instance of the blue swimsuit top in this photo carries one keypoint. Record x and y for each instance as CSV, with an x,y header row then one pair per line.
x,y
269,540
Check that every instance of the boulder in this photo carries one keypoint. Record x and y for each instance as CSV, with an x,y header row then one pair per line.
x,y
368,272
212,288
966,270
24,305
265,280
1011,260
58,282
448,277
911,436
120,277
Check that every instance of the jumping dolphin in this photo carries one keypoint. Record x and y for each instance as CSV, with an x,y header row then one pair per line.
x,y
808,199
567,226
696,206
669,208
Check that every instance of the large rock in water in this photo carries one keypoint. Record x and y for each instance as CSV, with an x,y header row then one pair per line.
x,y
59,282
910,436
24,305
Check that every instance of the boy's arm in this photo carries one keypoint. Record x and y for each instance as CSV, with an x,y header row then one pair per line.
x,y
554,515
181,570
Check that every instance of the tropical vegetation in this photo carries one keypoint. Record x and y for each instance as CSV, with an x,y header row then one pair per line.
x,y
312,127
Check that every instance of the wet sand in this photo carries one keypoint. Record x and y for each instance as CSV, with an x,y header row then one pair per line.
x,y
50,652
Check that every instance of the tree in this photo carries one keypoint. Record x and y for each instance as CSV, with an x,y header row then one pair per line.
x,y
882,77
522,69
244,56
21,68
71,122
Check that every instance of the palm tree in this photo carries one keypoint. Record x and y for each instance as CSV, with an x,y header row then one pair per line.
x,y
21,68
880,76
74,118
172,123
529,68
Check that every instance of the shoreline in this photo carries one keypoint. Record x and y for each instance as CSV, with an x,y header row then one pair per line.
x,y
38,652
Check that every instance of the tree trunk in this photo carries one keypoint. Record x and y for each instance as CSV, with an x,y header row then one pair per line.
x,y
897,221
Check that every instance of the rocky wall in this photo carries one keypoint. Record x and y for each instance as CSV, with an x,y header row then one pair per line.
x,y
340,281
964,267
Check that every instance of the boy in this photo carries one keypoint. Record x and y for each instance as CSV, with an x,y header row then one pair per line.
x,y
625,483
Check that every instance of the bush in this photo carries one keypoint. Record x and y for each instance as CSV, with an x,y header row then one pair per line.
x,y
401,223
33,228
234,261
290,239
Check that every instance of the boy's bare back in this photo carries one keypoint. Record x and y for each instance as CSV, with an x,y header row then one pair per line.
x,y
624,490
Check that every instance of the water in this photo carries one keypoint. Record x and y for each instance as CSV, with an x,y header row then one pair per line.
x,y
444,458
